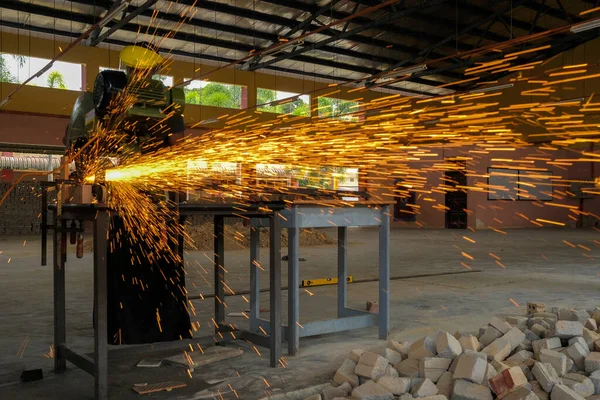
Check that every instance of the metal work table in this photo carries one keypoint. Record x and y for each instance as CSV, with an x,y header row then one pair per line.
x,y
100,215
306,214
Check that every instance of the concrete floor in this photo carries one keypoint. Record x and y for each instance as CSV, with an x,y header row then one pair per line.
x,y
539,266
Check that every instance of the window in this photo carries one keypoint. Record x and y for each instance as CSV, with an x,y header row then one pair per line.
x,y
216,94
275,101
337,108
510,184
62,75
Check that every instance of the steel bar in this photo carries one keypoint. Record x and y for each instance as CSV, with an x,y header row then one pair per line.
x,y
82,361
384,273
342,275
254,277
60,328
101,305
98,30
219,261
275,286
293,337
131,15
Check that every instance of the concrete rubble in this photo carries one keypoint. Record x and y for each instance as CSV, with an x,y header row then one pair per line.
x,y
550,354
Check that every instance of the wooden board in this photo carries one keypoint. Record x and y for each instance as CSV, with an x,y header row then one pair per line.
x,y
158,387
210,355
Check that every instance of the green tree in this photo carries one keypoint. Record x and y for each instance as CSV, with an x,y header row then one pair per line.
x,y
266,96
220,95
5,75
192,96
56,80
330,107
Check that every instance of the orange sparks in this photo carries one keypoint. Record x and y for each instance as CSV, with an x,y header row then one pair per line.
x,y
467,255
514,302
569,244
468,239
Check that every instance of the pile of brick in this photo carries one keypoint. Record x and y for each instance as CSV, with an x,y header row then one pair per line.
x,y
548,355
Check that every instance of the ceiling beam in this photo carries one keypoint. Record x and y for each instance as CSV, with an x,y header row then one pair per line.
x,y
98,39
181,36
341,35
182,53
335,14
389,47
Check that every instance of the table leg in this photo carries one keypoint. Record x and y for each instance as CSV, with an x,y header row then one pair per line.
x,y
60,325
101,305
342,270
293,282
219,259
384,273
275,288
254,278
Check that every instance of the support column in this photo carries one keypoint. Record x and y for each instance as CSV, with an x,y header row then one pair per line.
x,y
254,278
384,273
219,260
275,288
293,283
342,270
60,324
101,305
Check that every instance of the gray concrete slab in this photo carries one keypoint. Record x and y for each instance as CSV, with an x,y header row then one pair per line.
x,y
539,266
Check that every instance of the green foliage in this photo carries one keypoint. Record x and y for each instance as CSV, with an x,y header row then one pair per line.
x,y
265,96
318,179
5,75
216,95
56,80
330,107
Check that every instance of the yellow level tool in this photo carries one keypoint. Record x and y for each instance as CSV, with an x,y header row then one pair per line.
x,y
325,281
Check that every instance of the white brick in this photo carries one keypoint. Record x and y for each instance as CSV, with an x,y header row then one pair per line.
x,y
330,393
314,397
595,378
390,371
469,342
399,347
408,367
424,347
424,389
346,387
592,362
581,341
570,314
500,324
396,386
520,357
577,353
370,371
372,359
433,368
355,355
498,350
372,391
490,372
393,356
562,392
514,336
471,368
537,389
546,376
464,390
579,383
447,346
591,324
550,344
406,396
531,336
436,397
567,329
539,330
596,315
521,393
489,336
558,360
519,322
345,373
590,337
445,384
